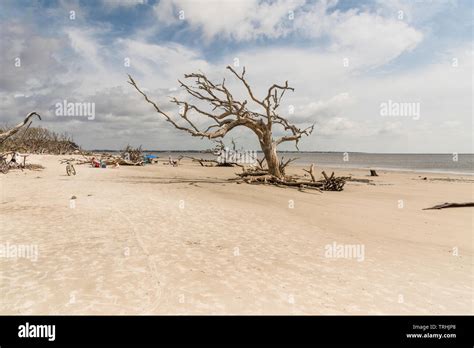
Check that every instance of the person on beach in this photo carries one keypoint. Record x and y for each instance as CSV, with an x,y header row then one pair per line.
x,y
95,163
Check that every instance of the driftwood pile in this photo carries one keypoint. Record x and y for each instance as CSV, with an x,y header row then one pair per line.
x,y
131,156
333,183
128,157
328,183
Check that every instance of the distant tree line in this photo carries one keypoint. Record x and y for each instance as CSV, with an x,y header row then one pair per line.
x,y
38,140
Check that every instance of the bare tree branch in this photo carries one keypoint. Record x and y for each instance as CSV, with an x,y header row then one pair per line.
x,y
4,136
228,113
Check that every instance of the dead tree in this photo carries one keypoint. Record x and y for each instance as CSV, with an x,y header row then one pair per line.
x,y
227,113
5,135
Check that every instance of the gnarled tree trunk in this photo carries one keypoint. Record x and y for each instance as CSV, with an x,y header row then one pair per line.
x,y
270,152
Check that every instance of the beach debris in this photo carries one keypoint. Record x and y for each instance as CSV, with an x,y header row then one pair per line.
x,y
212,162
228,112
204,162
128,157
373,172
4,164
310,172
6,134
150,159
328,183
333,183
450,205
453,180
365,181
7,165
132,156
224,156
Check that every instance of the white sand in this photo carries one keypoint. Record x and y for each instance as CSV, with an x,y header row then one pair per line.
x,y
130,246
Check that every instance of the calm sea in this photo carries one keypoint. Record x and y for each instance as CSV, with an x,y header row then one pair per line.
x,y
437,163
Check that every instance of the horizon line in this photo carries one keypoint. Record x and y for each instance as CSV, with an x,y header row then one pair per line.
x,y
310,151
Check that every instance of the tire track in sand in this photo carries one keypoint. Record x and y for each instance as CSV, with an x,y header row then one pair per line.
x,y
151,263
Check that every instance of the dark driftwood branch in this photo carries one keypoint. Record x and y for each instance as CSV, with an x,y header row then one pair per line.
x,y
373,172
451,205
213,163
5,135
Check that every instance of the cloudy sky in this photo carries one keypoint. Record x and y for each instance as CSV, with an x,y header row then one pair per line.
x,y
344,58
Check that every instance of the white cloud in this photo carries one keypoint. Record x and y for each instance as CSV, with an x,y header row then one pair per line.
x,y
342,101
113,4
413,11
241,21
370,41
335,125
365,38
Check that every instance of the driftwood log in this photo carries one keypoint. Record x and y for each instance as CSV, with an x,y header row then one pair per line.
x,y
451,205
213,163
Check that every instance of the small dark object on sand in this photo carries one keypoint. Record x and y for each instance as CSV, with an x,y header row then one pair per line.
x,y
451,205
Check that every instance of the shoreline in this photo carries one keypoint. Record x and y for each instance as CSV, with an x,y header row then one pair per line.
x,y
404,170
362,166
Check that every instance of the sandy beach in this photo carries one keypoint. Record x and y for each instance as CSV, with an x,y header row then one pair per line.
x,y
184,240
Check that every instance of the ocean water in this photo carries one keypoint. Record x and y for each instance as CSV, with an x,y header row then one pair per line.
x,y
436,163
